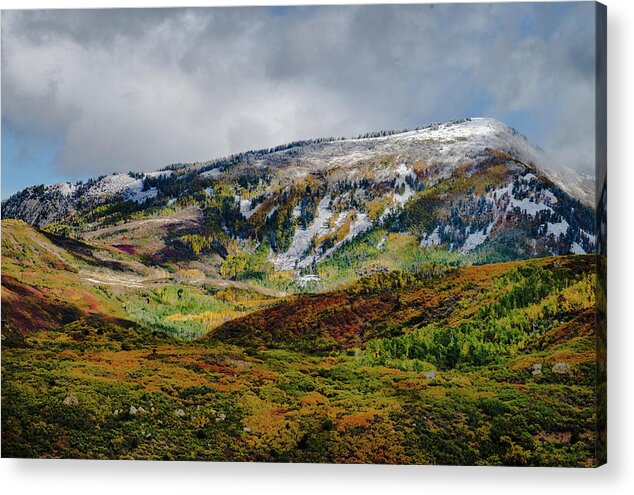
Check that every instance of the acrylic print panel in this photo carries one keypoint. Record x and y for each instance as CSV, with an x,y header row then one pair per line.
x,y
416,277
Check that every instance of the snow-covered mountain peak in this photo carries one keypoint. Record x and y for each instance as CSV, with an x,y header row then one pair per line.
x,y
400,161
444,146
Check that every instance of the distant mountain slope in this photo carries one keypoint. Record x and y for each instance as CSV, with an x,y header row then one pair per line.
x,y
50,281
475,188
44,280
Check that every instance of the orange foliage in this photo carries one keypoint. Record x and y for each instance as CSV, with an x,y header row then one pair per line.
x,y
361,420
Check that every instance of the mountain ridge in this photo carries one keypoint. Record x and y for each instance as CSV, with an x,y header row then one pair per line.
x,y
474,187
68,189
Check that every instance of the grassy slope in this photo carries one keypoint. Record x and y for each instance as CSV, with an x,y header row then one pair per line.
x,y
41,286
50,280
68,390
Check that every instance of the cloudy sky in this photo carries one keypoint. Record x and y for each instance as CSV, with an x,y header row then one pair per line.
x,y
89,92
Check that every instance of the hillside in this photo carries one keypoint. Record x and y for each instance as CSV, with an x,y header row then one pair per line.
x,y
498,368
425,296
49,281
464,192
462,302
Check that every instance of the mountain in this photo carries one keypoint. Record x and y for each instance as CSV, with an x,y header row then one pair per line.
x,y
474,188
402,297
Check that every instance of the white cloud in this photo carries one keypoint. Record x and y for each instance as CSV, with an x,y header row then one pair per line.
x,y
138,90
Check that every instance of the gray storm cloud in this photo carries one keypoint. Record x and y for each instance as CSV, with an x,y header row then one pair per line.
x,y
138,89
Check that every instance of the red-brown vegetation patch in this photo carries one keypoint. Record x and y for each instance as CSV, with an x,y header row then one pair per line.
x,y
126,248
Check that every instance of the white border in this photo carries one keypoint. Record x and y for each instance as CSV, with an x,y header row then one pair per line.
x,y
122,478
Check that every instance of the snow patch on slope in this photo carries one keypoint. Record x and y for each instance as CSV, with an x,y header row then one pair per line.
x,y
143,196
549,196
403,198
130,188
245,206
114,184
160,173
214,173
591,238
531,205
432,239
359,225
292,258
66,189
559,228
575,248
468,138
295,257
476,238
